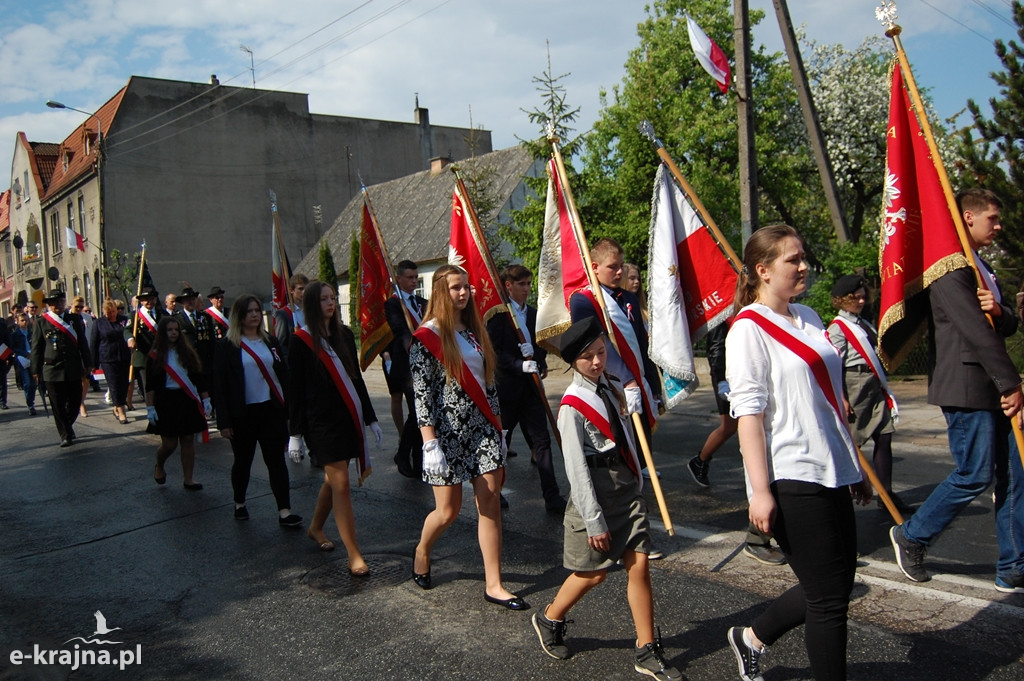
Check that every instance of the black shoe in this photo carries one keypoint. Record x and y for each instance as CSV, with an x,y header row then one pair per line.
x,y
514,603
552,635
422,581
241,513
747,659
3,405
650,660
193,486
31,411
909,555
502,500
556,506
65,442
699,470
291,520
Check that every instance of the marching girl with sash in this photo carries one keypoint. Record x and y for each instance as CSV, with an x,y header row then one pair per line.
x,y
251,408
799,459
176,400
329,406
453,366
872,408
606,519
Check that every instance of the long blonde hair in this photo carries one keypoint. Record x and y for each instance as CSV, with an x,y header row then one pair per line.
x,y
443,312
236,319
762,249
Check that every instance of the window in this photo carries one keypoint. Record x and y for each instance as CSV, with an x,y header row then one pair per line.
x,y
25,193
71,216
55,239
77,284
81,214
8,258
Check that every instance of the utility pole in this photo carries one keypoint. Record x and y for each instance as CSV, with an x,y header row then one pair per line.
x,y
745,111
828,180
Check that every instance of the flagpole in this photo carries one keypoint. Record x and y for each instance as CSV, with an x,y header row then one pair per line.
x,y
648,131
387,259
887,15
595,285
138,292
492,271
285,271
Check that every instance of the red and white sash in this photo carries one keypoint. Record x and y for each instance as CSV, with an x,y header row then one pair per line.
x,y
858,338
628,347
218,317
179,375
268,374
343,383
472,381
592,407
801,349
147,320
5,352
61,325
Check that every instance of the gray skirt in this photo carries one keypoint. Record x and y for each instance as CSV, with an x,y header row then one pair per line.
x,y
868,401
625,512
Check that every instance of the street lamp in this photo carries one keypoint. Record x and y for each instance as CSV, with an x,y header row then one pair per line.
x,y
99,180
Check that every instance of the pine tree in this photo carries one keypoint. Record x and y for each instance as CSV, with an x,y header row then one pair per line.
x,y
993,155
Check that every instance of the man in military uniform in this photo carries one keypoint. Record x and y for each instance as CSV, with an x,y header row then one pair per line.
x,y
196,330
60,358
216,314
148,315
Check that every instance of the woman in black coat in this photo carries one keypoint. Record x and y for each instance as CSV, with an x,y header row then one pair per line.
x,y
251,380
330,407
110,353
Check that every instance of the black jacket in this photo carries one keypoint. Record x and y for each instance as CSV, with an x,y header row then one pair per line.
x,y
229,379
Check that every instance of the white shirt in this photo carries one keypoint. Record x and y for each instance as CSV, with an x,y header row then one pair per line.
x,y
256,388
520,311
805,438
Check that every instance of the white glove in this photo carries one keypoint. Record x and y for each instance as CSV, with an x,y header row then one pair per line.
x,y
378,434
526,349
295,448
207,407
634,401
434,462
504,443
151,414
530,367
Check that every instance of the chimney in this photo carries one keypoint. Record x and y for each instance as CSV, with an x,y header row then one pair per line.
x,y
421,117
213,79
439,163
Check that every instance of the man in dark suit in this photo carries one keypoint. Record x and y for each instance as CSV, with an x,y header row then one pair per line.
x,y
196,330
518,363
290,317
404,311
973,380
60,357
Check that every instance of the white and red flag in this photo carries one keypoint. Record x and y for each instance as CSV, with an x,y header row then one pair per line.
x,y
281,269
466,250
709,54
561,271
374,290
690,289
74,239
919,241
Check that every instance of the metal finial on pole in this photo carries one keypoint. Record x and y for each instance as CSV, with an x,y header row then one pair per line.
x,y
886,13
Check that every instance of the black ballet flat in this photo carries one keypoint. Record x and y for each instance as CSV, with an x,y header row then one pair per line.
x,y
422,581
514,603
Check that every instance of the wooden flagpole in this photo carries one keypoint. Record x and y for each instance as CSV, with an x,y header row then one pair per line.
x,y
138,292
387,259
887,15
581,240
492,271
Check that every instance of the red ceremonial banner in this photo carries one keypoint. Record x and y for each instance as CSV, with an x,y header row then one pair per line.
x,y
465,251
374,290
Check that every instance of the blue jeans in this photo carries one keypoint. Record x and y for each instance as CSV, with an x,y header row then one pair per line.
x,y
980,443
28,384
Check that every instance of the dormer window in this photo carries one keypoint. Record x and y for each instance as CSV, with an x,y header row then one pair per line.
x,y
65,159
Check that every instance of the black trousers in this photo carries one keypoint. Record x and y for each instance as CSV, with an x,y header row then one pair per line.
x,y
410,443
266,425
65,401
526,410
815,528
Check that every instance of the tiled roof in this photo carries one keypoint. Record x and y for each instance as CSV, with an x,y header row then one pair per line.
x,y
46,154
414,212
5,210
80,163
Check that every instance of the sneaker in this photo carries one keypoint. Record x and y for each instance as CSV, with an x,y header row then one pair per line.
x,y
552,635
1011,583
747,659
909,555
241,513
699,470
765,553
650,660
647,473
655,554
290,521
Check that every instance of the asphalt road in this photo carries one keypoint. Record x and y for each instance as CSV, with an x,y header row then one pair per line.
x,y
198,595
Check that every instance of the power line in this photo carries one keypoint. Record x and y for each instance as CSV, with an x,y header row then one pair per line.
x,y
994,13
958,22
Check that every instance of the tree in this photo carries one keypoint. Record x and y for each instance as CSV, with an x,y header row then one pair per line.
x,y
122,273
993,152
525,232
327,273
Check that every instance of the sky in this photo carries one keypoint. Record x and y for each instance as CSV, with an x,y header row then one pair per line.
x,y
469,61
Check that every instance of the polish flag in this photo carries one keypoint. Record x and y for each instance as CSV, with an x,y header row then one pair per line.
x,y
709,54
74,239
